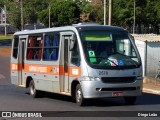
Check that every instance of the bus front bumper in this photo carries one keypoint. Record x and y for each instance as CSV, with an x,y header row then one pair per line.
x,y
98,89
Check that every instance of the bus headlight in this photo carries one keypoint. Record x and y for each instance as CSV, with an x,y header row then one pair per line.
x,y
139,78
88,78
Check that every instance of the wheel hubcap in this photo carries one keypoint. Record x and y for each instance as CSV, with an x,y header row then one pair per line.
x,y
32,89
78,95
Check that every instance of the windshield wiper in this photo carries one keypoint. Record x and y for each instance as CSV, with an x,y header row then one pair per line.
x,y
132,61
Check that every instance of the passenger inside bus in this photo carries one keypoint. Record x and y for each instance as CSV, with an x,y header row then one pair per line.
x,y
30,52
53,54
40,49
104,53
47,44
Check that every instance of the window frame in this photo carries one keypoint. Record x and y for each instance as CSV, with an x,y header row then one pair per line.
x,y
35,47
16,38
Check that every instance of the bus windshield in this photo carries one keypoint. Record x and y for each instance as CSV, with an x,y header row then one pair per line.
x,y
109,49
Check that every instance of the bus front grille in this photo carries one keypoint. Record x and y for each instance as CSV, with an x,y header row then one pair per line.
x,y
118,79
120,89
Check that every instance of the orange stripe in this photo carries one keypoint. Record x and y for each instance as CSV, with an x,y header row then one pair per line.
x,y
15,66
42,69
46,69
74,71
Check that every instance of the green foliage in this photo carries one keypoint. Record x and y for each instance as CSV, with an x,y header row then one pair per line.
x,y
67,12
5,38
62,13
84,6
91,11
32,8
147,13
14,14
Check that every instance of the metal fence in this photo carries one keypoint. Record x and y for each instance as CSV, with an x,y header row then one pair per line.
x,y
153,58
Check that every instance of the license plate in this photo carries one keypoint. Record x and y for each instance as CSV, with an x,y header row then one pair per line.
x,y
117,94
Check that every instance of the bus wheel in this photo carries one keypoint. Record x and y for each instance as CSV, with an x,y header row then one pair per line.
x,y
79,96
33,92
130,100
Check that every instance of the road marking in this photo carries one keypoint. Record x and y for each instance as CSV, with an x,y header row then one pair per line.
x,y
2,76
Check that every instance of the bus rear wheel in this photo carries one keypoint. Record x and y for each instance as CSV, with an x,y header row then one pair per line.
x,y
33,92
79,96
130,100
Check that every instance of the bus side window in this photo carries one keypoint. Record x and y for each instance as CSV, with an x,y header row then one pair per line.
x,y
54,52
75,56
15,47
46,50
30,52
51,47
34,50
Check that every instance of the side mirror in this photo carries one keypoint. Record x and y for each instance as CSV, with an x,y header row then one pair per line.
x,y
72,42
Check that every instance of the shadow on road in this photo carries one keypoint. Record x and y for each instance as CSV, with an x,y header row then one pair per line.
x,y
145,99
148,99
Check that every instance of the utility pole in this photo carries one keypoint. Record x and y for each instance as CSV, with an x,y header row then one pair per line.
x,y
134,22
5,19
104,12
110,13
49,13
49,7
22,27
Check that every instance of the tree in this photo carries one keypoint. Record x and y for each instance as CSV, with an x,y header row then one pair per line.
x,y
91,11
98,14
62,13
122,13
86,10
31,10
14,14
67,12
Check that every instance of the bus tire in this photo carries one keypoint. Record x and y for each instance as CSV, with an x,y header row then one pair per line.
x,y
33,92
130,100
79,96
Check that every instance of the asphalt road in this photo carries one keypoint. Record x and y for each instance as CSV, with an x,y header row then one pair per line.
x,y
14,98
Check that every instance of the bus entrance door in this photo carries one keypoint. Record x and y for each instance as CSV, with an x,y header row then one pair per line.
x,y
21,58
64,81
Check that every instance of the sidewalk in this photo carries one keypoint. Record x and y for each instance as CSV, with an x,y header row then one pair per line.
x,y
151,85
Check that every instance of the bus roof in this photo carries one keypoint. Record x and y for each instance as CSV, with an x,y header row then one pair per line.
x,y
74,27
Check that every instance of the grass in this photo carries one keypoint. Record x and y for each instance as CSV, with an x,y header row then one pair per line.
x,y
6,38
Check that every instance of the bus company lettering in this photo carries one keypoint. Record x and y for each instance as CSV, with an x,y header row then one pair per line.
x,y
14,67
37,69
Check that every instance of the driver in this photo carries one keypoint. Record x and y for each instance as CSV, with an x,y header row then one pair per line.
x,y
104,53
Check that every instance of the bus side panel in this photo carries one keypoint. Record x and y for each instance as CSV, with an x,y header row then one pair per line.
x,y
14,67
44,75
14,72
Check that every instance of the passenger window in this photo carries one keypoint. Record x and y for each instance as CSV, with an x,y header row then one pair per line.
x,y
75,56
15,47
34,47
51,47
